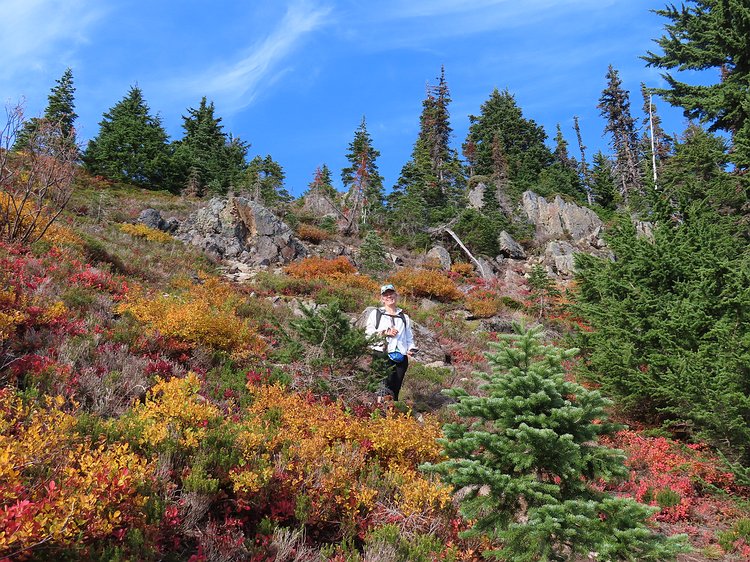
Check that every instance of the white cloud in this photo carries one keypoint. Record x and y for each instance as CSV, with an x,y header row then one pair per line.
x,y
235,85
35,34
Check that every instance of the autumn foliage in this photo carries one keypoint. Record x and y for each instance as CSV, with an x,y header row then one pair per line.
x,y
426,283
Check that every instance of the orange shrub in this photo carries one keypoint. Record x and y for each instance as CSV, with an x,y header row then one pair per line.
x,y
312,234
313,268
483,303
464,269
202,314
426,283
55,486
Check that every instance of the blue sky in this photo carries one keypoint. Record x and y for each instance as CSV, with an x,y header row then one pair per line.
x,y
294,77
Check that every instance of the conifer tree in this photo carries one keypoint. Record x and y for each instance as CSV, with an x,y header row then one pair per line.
x,y
362,178
500,128
59,113
562,175
131,145
614,105
583,167
218,159
603,184
542,291
265,178
372,253
431,182
525,457
703,34
655,144
322,182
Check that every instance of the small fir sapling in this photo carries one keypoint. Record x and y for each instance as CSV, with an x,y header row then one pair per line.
x,y
525,461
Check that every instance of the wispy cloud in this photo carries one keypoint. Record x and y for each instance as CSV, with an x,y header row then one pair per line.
x,y
35,34
235,85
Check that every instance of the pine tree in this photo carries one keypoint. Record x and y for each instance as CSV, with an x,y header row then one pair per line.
x,y
703,34
265,178
542,291
372,253
218,158
361,178
131,145
431,182
322,182
603,184
562,176
60,113
500,128
525,457
583,168
614,105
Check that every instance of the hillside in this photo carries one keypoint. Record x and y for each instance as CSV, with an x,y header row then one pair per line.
x,y
155,410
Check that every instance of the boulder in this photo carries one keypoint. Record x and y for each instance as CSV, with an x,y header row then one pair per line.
x,y
153,219
559,256
241,230
439,255
486,268
318,204
476,196
559,218
509,248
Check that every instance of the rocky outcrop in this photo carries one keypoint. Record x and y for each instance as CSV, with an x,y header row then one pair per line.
x,y
476,196
559,219
318,204
241,230
153,219
509,248
440,256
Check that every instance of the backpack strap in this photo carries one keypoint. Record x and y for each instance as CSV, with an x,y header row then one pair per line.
x,y
379,315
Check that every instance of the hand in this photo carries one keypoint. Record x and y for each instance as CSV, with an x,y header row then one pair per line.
x,y
391,332
412,351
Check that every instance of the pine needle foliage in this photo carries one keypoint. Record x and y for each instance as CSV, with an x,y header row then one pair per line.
x,y
524,458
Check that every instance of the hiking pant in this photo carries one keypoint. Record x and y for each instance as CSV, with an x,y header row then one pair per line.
x,y
396,372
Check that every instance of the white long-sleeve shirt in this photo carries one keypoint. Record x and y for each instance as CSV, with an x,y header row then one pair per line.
x,y
403,341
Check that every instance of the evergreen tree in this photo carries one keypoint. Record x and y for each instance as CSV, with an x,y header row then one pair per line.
x,y
131,145
614,104
60,113
525,455
501,129
430,183
562,176
205,149
542,291
670,320
655,144
603,184
372,253
361,178
322,182
265,178
703,34
583,168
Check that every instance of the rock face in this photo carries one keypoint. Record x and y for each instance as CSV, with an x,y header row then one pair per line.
x,y
241,230
440,255
560,219
319,205
476,196
509,248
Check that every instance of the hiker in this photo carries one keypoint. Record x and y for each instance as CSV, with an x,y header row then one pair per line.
x,y
396,343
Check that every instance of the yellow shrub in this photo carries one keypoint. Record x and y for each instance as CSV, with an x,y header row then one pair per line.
x,y
143,231
426,283
418,493
202,314
54,486
464,269
173,412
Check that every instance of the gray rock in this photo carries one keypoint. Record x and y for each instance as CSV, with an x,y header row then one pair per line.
x,y
439,255
510,248
486,268
320,205
242,230
559,256
476,196
151,218
558,218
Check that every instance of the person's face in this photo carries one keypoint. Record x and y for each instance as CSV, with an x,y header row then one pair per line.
x,y
389,297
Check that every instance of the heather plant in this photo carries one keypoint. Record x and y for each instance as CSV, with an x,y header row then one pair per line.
x,y
308,268
313,234
526,458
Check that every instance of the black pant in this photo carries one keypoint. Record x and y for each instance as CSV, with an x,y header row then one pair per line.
x,y
396,372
